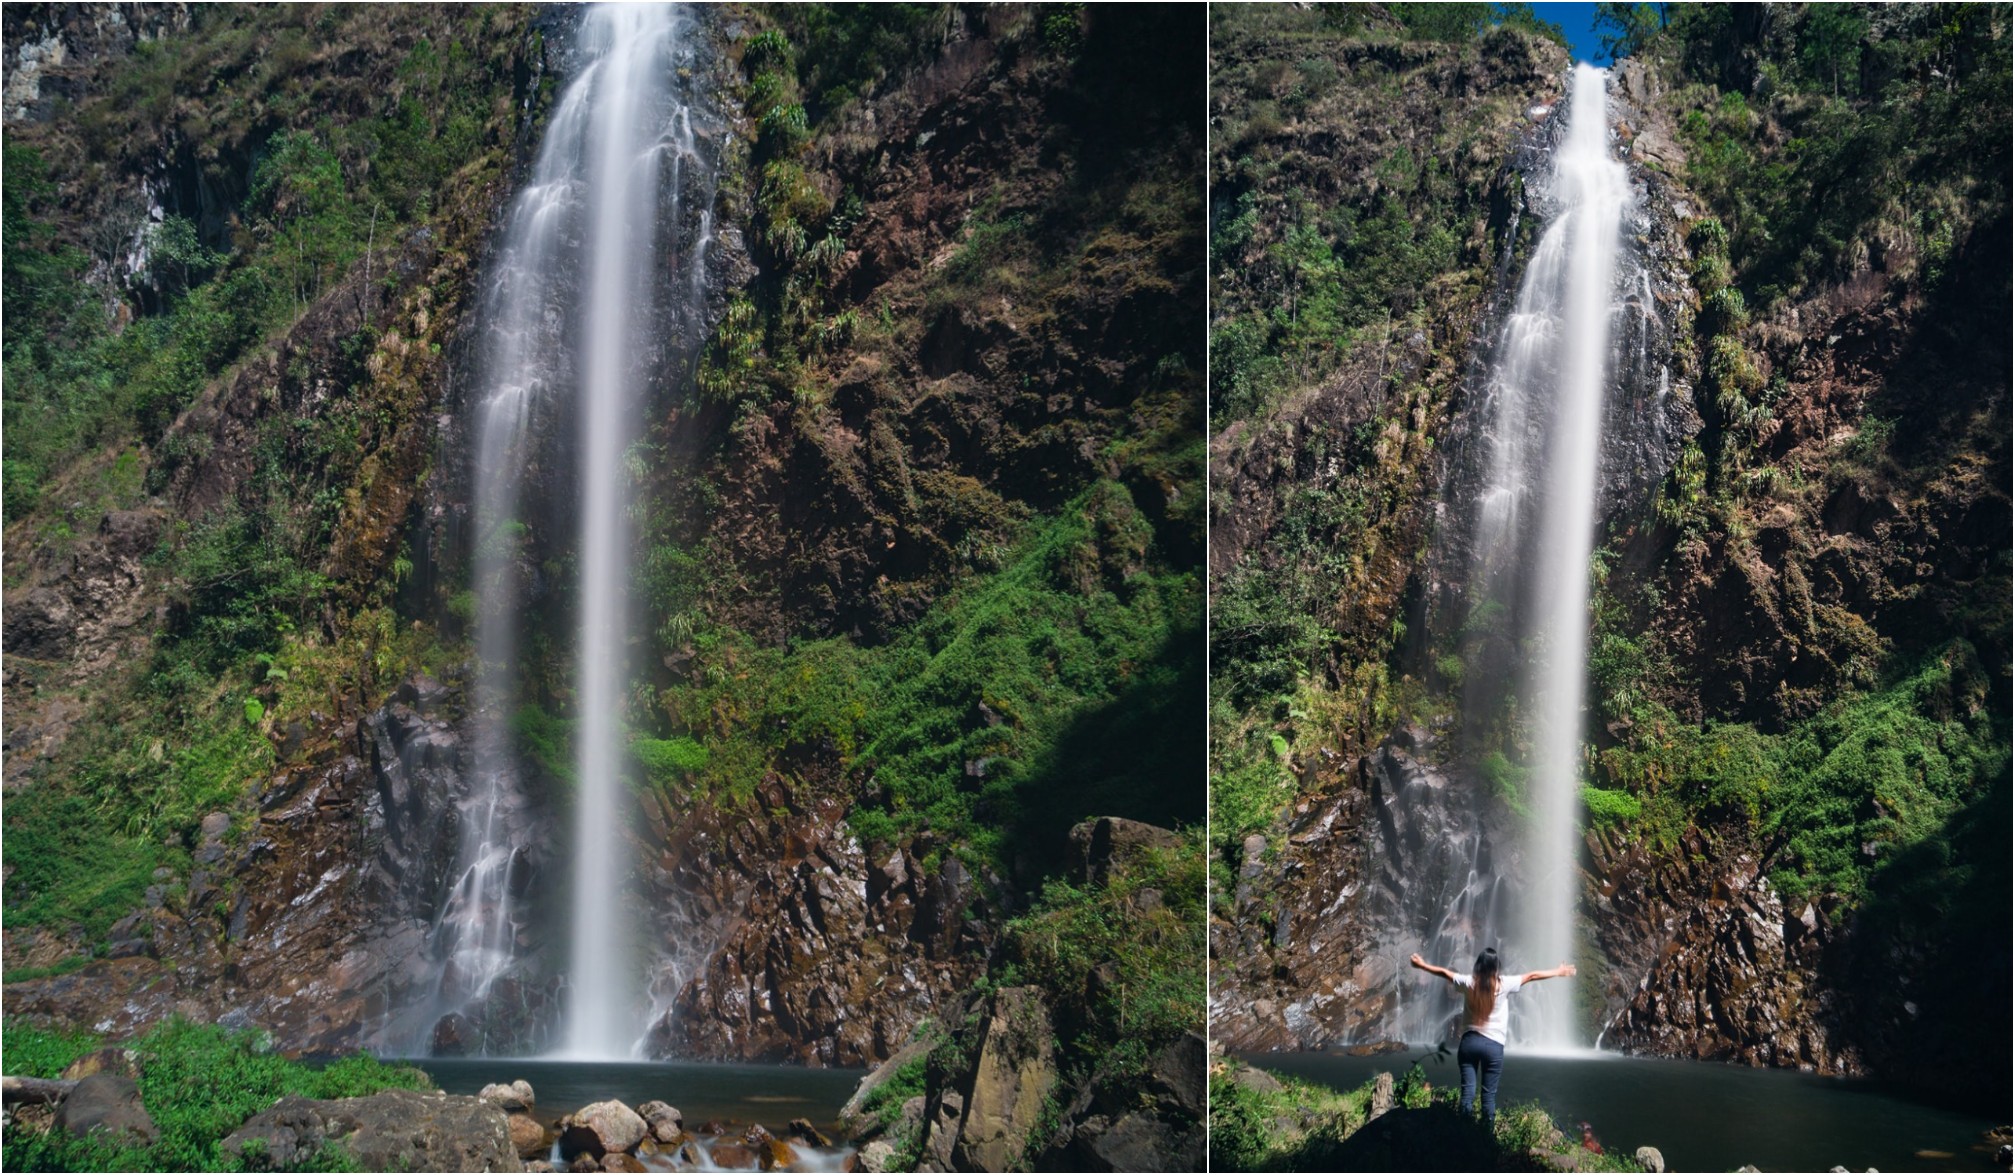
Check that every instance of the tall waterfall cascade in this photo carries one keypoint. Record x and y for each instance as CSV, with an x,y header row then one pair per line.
x,y
1581,326
596,289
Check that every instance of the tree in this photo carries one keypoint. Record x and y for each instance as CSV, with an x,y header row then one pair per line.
x,y
1829,42
1626,28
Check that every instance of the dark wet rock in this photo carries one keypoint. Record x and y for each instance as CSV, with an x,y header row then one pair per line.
x,y
804,924
109,1104
392,1131
803,1130
1707,962
1133,1142
1438,1138
452,1036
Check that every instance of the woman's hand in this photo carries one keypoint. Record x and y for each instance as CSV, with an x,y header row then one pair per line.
x,y
1419,962
1567,970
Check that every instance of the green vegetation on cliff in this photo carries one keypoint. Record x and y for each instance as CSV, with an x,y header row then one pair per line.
x,y
300,190
1359,195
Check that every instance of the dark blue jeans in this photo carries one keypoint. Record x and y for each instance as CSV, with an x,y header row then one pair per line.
x,y
1479,1052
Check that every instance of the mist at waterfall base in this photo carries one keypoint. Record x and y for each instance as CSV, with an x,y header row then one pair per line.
x,y
597,286
1702,1115
1526,504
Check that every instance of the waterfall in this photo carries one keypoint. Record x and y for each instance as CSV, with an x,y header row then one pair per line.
x,y
587,303
1572,375
1536,526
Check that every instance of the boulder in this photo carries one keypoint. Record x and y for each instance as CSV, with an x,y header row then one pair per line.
x,y
803,1130
1255,1080
1011,1079
1649,1158
1135,1142
513,1098
1110,842
772,1153
1381,1095
879,1155
397,1130
665,1121
117,1061
530,1139
1179,1076
730,1154
602,1128
108,1103
618,1161
941,1130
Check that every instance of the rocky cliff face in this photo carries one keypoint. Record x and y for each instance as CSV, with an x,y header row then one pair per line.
x,y
995,362
1757,583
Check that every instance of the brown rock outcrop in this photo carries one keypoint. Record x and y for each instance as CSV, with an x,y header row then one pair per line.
x,y
398,1130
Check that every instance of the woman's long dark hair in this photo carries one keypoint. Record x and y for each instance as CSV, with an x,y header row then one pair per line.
x,y
1482,994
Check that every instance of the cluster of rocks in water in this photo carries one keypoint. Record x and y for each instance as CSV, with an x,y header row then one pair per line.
x,y
410,1130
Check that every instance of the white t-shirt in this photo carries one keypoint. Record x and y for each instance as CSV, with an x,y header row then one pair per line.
x,y
1498,1027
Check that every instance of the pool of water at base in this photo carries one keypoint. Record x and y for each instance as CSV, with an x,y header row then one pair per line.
x,y
1700,1115
740,1095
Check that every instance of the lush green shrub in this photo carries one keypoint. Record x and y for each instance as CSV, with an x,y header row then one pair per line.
x,y
1143,933
1607,807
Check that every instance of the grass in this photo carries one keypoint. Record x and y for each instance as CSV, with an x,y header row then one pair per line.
x,y
1301,1126
198,1083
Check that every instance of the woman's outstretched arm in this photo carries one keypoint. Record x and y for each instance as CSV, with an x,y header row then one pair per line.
x,y
1431,969
1564,971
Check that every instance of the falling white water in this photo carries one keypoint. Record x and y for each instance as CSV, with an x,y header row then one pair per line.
x,y
1547,397
584,305
625,156
474,939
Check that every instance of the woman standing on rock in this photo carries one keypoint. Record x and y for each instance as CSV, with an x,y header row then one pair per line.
x,y
1487,1021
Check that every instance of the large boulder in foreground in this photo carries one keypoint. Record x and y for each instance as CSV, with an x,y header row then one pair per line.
x,y
107,1104
602,1128
397,1130
1011,1080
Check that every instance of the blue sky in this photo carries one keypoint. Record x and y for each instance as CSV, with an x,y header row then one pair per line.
x,y
1578,22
